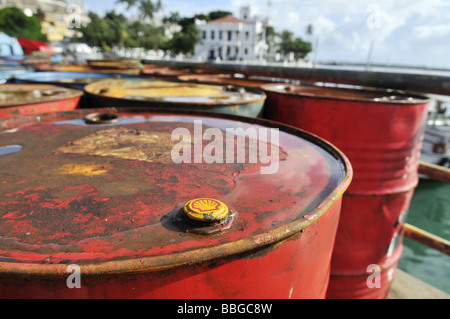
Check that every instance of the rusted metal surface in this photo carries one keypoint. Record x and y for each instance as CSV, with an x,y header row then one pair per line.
x,y
224,79
86,68
381,132
164,73
176,95
436,172
19,99
115,63
76,80
102,196
427,238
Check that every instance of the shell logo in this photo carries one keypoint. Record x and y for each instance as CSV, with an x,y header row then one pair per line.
x,y
205,205
206,209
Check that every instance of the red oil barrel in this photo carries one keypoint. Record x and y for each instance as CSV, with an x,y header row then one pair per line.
x,y
167,94
381,132
20,99
104,211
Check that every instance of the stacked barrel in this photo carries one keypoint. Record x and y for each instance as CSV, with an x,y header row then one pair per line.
x,y
94,204
381,132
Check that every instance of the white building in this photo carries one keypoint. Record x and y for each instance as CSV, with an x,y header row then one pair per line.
x,y
230,38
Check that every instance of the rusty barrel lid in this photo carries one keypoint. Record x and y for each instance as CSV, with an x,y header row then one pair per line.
x,y
86,68
235,79
349,93
163,72
26,94
114,63
165,92
105,189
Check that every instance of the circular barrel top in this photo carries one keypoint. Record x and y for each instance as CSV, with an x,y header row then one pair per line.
x,y
174,92
124,190
346,93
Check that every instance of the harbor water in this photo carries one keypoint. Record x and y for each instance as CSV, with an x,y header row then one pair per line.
x,y
430,211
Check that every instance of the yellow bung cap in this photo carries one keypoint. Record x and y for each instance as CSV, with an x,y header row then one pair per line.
x,y
206,210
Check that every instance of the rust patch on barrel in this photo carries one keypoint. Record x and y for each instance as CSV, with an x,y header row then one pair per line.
x,y
124,143
81,169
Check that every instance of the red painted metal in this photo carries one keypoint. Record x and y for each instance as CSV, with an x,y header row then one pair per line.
x,y
30,46
104,196
19,99
381,132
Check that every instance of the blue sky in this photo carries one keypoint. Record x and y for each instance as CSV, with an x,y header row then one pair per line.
x,y
411,32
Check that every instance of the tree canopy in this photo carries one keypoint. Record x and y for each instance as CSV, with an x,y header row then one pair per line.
x,y
147,8
115,30
15,23
289,43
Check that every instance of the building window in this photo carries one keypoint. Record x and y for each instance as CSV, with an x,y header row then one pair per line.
x,y
229,35
246,51
212,35
220,35
204,35
247,34
237,51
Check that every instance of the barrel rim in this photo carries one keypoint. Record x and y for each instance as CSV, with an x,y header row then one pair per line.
x,y
166,262
37,76
88,89
72,93
416,98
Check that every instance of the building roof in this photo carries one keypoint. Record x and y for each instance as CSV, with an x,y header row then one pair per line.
x,y
227,19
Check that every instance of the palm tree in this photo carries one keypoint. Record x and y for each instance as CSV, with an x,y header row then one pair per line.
x,y
147,8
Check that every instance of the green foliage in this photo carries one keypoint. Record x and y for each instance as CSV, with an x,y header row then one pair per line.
x,y
213,15
185,40
289,44
147,8
270,37
15,23
147,36
114,30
